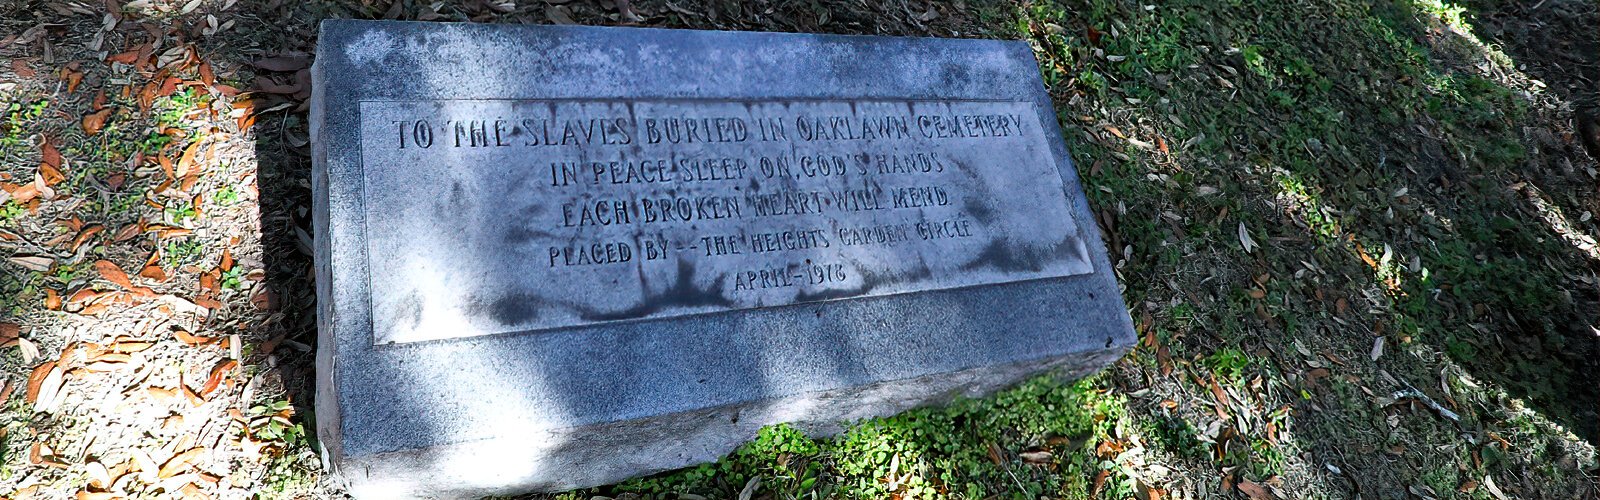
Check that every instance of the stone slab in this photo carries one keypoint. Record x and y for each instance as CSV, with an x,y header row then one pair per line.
x,y
554,257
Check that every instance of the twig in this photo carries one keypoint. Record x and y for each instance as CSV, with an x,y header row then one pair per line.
x,y
1413,394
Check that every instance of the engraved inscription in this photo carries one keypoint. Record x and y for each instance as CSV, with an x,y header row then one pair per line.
x,y
553,213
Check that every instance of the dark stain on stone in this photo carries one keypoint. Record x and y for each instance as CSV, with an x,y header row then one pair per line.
x,y
979,210
682,293
1004,257
955,76
510,310
411,308
458,196
523,234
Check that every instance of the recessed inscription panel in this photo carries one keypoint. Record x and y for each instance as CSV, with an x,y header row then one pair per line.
x,y
548,214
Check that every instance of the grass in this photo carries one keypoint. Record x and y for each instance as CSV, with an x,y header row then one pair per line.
x,y
971,448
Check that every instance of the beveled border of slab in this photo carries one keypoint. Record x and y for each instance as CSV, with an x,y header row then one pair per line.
x,y
403,419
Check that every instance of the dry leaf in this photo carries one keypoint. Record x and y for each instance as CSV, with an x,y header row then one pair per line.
x,y
126,233
1037,457
1377,348
190,339
179,462
84,236
131,346
99,477
1245,240
52,300
49,389
1488,482
34,262
49,154
206,76
9,332
73,77
217,374
152,267
186,162
147,466
93,122
111,272
128,57
1254,491
30,351
21,68
36,379
193,492
1164,359
92,495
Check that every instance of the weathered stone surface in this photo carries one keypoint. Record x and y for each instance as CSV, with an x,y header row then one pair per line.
x,y
553,257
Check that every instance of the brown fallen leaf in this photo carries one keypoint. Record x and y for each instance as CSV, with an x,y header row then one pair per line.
x,y
128,57
161,395
217,374
113,273
208,282
52,300
207,302
186,162
180,462
131,346
36,379
126,233
49,154
206,76
1164,359
194,399
168,86
84,236
93,122
191,339
9,332
1222,397
1254,491
21,68
73,78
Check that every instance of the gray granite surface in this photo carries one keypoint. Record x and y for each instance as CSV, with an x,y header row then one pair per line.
x,y
466,397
